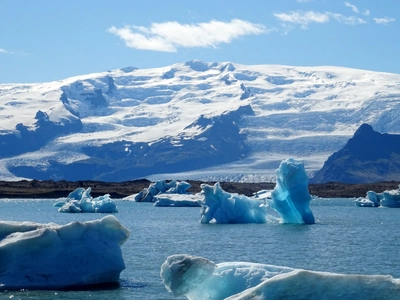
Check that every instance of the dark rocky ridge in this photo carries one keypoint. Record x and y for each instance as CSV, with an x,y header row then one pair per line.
x,y
57,189
369,156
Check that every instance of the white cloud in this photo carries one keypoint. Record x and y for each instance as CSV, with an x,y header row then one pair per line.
x,y
3,50
353,7
304,1
367,12
169,36
348,20
302,18
384,21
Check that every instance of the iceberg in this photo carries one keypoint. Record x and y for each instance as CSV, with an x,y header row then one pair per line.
x,y
290,199
178,200
161,186
199,278
51,256
388,198
219,206
80,200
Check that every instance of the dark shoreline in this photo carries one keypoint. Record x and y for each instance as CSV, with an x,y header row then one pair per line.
x,y
58,189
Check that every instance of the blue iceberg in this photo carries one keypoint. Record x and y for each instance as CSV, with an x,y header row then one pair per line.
x,y
51,256
388,198
219,206
80,200
290,199
199,278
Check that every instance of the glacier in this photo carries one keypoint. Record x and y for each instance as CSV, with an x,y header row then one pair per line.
x,y
80,200
166,122
51,256
290,199
199,278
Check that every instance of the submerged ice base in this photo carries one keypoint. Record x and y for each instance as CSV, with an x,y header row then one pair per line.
x,y
290,199
51,256
198,278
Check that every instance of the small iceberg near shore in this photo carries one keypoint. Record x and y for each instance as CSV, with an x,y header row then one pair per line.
x,y
52,256
168,194
388,198
80,200
290,199
199,278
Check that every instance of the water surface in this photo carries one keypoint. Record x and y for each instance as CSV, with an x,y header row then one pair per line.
x,y
345,239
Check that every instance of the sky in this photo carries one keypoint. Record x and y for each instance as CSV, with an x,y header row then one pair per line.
x,y
47,40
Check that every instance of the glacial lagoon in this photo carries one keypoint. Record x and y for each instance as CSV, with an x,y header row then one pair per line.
x,y
344,239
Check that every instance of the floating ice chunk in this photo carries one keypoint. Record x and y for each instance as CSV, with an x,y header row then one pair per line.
x,y
222,207
80,200
290,197
199,278
364,202
323,285
51,256
391,198
388,198
178,200
161,186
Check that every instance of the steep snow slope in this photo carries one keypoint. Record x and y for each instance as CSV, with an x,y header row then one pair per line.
x,y
191,120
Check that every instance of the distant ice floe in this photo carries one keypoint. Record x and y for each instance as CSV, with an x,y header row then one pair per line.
x,y
80,200
160,187
51,256
290,199
388,198
178,200
199,278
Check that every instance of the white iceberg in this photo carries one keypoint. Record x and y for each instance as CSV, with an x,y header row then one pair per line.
x,y
51,256
80,200
391,198
388,198
198,278
290,199
178,200
160,187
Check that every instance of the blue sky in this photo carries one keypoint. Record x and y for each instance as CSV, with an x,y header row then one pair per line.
x,y
46,40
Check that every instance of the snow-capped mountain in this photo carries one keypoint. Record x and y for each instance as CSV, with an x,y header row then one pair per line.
x,y
192,120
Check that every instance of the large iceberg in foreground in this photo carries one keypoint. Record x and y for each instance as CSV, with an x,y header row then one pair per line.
x,y
198,278
80,200
51,256
290,199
